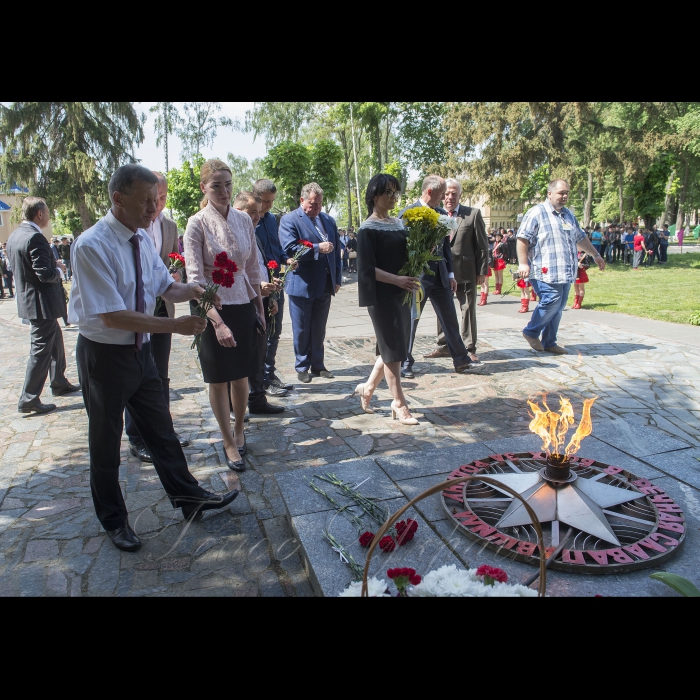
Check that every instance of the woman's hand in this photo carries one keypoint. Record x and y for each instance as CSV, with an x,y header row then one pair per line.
x,y
410,284
224,335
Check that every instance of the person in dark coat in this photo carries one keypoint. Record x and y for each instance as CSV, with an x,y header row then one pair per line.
x,y
40,299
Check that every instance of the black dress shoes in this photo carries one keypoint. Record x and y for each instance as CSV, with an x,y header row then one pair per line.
x,y
140,452
407,374
184,442
304,377
37,407
70,389
272,390
266,408
242,451
276,381
322,373
124,538
193,508
238,466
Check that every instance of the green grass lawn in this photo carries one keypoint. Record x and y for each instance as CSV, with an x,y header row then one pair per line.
x,y
669,292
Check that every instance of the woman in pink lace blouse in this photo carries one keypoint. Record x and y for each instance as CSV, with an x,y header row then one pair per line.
x,y
228,349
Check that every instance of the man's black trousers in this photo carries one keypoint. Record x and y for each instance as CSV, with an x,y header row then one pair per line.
x,y
113,377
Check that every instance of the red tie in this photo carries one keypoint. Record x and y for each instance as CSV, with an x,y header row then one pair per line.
x,y
140,303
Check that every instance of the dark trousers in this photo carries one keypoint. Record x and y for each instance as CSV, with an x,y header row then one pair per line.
x,y
309,318
47,357
441,299
273,341
160,349
8,283
256,389
466,295
663,253
112,378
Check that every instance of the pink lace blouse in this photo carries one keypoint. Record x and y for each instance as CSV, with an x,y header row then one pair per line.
x,y
207,234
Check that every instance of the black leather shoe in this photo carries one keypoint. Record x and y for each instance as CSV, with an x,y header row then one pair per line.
x,y
140,452
272,390
184,442
266,408
242,451
304,377
276,381
124,538
70,389
38,407
245,420
322,373
407,374
193,508
238,466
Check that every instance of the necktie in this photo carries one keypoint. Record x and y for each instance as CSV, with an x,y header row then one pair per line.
x,y
140,303
320,231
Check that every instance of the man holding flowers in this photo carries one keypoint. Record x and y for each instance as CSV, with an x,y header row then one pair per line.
x,y
438,287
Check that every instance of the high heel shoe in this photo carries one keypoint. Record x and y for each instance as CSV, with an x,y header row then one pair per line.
x,y
364,403
402,415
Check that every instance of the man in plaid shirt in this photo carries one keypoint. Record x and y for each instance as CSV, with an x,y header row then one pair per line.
x,y
548,240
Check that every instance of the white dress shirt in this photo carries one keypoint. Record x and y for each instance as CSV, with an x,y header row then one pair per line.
x,y
31,223
104,279
155,231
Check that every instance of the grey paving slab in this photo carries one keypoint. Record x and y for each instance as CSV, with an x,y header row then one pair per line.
x,y
427,462
635,439
683,465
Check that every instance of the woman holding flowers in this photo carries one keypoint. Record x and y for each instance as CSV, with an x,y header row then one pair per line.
x,y
220,248
381,253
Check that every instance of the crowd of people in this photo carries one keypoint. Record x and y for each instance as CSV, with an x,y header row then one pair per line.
x,y
630,243
125,288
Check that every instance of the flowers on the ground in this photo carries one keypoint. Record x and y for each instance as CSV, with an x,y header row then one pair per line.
x,y
376,588
387,544
222,276
402,577
366,538
406,530
492,574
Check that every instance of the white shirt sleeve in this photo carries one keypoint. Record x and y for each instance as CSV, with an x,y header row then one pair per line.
x,y
98,281
161,276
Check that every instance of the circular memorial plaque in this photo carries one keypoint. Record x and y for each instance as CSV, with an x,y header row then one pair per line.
x,y
603,521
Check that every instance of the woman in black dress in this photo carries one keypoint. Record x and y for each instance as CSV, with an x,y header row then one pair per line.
x,y
381,253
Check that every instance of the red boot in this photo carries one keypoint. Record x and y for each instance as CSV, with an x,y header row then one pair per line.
x,y
498,289
577,302
533,296
482,301
524,306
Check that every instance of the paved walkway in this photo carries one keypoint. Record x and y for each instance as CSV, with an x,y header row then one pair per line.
x,y
645,373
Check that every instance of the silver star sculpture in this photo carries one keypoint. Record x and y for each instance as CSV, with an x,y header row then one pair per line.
x,y
579,504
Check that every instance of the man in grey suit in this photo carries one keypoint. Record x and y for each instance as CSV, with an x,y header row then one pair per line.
x,y
40,299
470,259
163,234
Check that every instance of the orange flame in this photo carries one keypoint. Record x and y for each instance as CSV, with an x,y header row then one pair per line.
x,y
585,427
552,427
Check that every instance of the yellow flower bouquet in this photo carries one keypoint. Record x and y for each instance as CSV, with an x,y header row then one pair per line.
x,y
427,231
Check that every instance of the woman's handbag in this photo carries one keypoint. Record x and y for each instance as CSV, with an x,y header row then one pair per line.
x,y
352,254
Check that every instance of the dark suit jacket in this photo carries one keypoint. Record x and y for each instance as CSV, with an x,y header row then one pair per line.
x,y
470,245
444,265
38,282
309,279
169,230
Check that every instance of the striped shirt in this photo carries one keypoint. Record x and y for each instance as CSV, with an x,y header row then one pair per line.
x,y
552,237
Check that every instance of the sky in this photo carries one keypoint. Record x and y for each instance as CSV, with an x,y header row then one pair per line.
x,y
227,140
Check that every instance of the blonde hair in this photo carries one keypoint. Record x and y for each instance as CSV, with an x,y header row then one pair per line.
x,y
209,167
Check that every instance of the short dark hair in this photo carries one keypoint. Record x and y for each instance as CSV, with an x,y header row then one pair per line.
x,y
377,186
124,178
242,199
31,206
264,185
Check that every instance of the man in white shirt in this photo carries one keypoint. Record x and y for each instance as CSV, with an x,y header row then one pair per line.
x,y
116,279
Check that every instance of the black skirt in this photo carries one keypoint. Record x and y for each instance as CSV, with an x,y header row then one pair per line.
x,y
392,326
221,364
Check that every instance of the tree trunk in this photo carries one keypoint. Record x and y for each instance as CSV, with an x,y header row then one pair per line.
x,y
84,212
620,186
378,146
668,202
681,198
588,204
348,187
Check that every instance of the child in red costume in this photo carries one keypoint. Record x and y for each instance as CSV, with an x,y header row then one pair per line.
x,y
584,262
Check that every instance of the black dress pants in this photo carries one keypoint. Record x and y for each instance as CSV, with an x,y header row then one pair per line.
x,y
466,295
47,357
113,377
256,389
441,299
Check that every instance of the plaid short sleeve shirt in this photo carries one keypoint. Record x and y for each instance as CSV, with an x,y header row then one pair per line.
x,y
552,237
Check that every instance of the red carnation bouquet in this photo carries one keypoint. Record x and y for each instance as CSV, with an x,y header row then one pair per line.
x,y
222,276
177,262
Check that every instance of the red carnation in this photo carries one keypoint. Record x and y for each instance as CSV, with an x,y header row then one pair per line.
x,y
366,538
406,530
221,259
491,574
545,270
308,244
217,276
414,580
176,256
400,571
228,280
387,544
272,265
521,283
231,266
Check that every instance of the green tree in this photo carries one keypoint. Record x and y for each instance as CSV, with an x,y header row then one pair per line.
x,y
66,222
288,164
278,121
326,157
67,151
184,193
199,127
244,173
420,135
167,121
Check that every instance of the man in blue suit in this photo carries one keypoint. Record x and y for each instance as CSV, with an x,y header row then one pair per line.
x,y
439,287
316,279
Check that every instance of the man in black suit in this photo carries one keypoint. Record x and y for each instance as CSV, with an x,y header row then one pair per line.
x,y
439,287
470,258
40,299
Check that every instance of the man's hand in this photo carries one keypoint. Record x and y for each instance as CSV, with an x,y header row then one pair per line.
x,y
337,288
266,288
196,291
326,247
453,285
60,266
261,318
480,279
293,264
523,271
600,262
190,325
273,307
